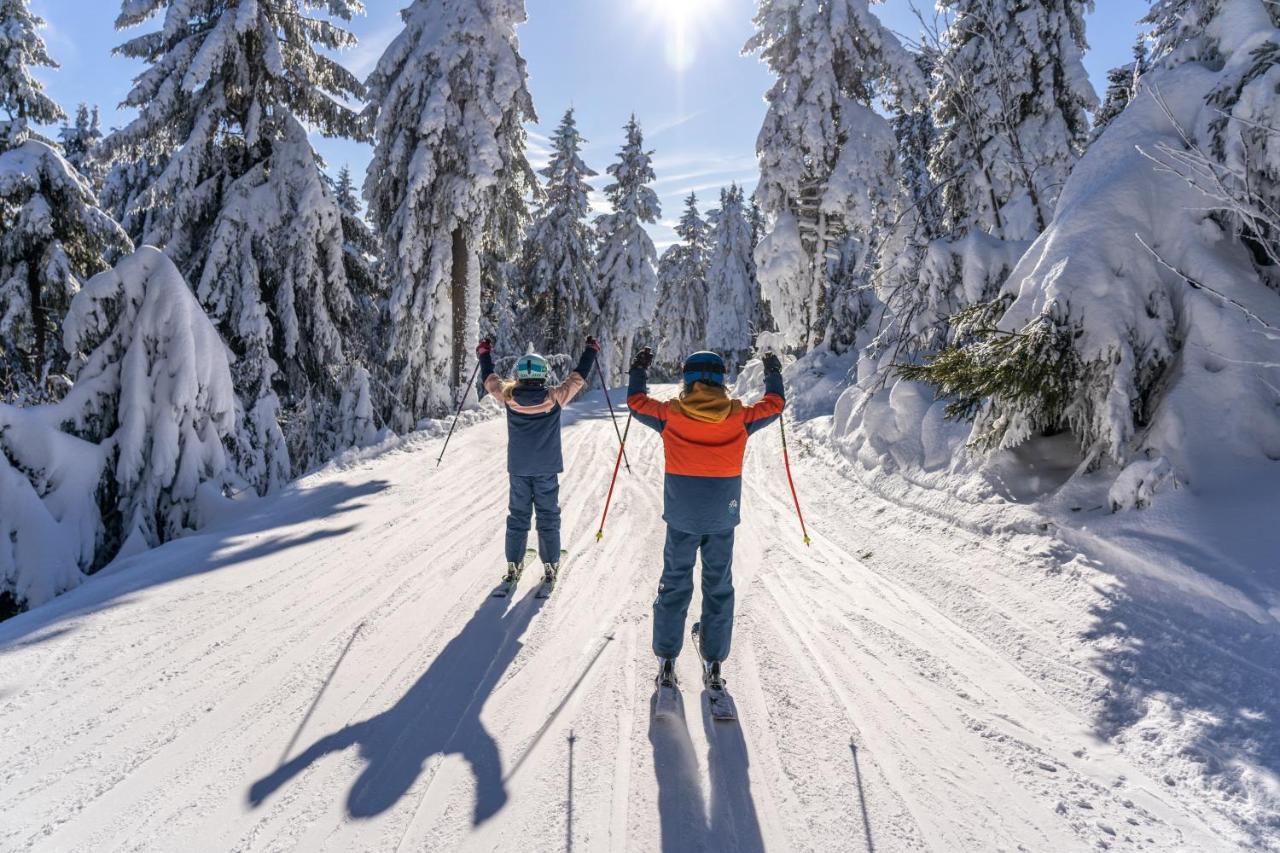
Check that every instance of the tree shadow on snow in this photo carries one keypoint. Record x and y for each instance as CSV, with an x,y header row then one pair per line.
x,y
1198,681
731,823
439,715
262,530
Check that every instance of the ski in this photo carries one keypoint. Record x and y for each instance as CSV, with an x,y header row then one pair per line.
x,y
508,586
719,702
549,584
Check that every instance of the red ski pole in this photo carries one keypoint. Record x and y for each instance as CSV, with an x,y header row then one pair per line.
x,y
786,459
622,446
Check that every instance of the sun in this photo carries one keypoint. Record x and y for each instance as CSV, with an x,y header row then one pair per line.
x,y
681,23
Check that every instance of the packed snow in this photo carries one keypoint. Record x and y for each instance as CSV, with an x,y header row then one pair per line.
x,y
326,669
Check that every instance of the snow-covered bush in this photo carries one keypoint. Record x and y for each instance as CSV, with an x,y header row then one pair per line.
x,y
154,386
115,467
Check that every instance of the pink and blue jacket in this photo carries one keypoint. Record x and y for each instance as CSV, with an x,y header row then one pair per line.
x,y
533,416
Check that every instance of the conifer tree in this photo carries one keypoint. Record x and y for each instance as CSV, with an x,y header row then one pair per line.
x,y
80,142
562,258
680,322
820,146
221,175
732,291
1011,100
53,236
22,97
448,104
1122,87
626,256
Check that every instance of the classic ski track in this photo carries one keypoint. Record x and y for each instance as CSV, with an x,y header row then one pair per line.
x,y
154,713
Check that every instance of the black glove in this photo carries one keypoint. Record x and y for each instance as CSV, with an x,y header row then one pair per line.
x,y
643,359
772,364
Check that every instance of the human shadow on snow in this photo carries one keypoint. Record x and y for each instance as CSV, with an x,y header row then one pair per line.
x,y
439,715
730,822
261,528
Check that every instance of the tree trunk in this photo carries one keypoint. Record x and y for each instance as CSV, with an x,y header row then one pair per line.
x,y
459,301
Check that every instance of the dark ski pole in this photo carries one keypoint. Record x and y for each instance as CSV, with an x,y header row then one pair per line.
x,y
786,460
622,444
616,465
465,390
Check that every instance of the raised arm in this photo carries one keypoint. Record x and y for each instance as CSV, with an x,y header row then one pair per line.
x,y
769,409
646,410
578,378
492,382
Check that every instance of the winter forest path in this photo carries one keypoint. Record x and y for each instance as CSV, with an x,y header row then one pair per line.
x,y
329,672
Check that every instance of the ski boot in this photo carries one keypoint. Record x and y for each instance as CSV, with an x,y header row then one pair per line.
x,y
719,701
666,701
666,673
549,573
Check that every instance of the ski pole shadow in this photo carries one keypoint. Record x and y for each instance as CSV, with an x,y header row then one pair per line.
x,y
681,808
862,797
439,715
733,812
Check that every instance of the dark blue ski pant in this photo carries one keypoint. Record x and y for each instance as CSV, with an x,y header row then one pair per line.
x,y
671,607
540,491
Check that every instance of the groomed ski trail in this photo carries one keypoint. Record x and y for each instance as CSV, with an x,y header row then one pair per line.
x,y
329,671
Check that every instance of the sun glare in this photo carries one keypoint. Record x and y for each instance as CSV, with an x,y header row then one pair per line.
x,y
680,22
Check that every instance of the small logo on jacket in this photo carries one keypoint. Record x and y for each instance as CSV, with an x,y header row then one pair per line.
x,y
733,507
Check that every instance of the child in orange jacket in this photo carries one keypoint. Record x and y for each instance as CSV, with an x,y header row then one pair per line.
x,y
704,436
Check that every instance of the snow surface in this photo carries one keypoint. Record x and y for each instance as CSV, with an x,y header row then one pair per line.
x,y
324,669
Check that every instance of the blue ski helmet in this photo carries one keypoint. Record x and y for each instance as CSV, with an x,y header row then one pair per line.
x,y
532,367
704,367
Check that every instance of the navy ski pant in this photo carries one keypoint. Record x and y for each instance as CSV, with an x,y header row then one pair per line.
x,y
676,591
541,491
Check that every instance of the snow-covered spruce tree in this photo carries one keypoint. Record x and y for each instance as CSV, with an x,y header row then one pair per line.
x,y
80,142
1011,99
763,320
732,292
626,256
21,96
52,233
1152,298
448,103
821,169
360,245
1122,86
501,272
680,319
910,320
221,176
561,249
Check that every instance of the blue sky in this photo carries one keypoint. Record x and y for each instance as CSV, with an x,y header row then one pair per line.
x,y
675,63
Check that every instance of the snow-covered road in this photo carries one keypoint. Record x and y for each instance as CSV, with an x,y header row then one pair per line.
x,y
327,671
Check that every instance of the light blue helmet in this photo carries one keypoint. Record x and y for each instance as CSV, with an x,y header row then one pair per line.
x,y
532,367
